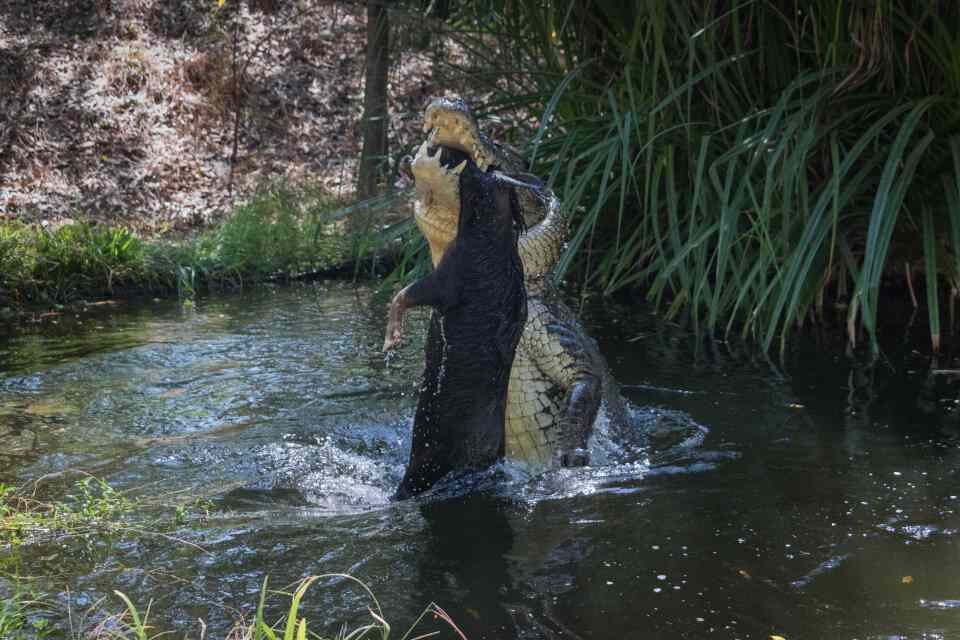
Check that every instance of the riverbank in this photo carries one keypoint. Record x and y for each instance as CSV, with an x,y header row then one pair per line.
x,y
280,234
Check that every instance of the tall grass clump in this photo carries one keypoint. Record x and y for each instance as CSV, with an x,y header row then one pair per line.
x,y
755,165
279,234
275,234
17,257
69,260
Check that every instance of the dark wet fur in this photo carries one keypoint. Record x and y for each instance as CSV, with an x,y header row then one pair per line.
x,y
479,311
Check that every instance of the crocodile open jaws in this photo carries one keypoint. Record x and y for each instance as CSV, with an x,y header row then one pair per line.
x,y
559,379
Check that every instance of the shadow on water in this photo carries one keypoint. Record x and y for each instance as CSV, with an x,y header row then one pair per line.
x,y
465,561
818,499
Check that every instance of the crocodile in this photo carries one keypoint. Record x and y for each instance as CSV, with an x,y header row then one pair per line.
x,y
479,301
559,378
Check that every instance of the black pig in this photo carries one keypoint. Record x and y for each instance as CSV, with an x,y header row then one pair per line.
x,y
480,308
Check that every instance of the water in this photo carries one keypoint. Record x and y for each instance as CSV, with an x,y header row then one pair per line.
x,y
820,504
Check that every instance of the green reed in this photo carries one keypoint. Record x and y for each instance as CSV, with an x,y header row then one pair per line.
x,y
23,615
132,624
756,166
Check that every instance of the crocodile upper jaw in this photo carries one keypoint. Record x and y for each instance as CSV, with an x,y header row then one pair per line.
x,y
450,123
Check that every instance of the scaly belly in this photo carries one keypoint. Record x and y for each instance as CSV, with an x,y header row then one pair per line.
x,y
533,410
438,225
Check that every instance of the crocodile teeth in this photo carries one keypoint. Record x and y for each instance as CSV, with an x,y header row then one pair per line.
x,y
424,149
457,170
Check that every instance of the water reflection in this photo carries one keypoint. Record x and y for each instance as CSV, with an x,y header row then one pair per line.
x,y
465,562
747,499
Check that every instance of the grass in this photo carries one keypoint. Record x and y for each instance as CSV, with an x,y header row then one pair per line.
x,y
92,506
22,615
25,615
754,166
131,624
280,233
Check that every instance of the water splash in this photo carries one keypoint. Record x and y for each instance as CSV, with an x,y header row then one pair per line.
x,y
442,371
942,605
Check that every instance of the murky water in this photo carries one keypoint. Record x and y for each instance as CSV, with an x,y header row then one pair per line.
x,y
823,504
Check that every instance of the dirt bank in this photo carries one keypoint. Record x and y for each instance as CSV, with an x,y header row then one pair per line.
x,y
124,111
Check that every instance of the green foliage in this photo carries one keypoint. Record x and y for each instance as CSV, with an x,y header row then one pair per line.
x,y
92,506
70,259
275,233
17,257
754,165
131,625
398,242
21,616
413,260
280,233
128,626
83,257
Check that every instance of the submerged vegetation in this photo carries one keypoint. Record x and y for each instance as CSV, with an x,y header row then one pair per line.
x,y
754,166
22,615
95,509
279,233
91,506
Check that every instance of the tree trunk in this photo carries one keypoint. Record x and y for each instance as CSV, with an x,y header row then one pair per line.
x,y
373,158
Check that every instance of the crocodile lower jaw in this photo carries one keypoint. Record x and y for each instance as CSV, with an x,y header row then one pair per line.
x,y
437,226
